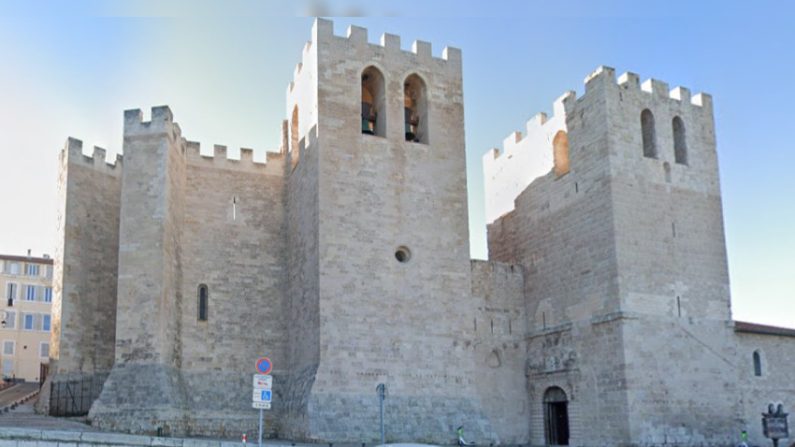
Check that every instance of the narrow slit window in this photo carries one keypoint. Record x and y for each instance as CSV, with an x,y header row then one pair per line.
x,y
648,133
757,364
203,302
680,142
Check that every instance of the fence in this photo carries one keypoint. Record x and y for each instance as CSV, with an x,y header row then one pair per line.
x,y
74,397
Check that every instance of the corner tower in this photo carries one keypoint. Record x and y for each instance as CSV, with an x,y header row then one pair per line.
x,y
384,249
621,235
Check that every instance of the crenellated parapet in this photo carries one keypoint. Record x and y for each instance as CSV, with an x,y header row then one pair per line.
x,y
358,36
653,88
541,127
220,159
389,45
525,157
161,122
73,151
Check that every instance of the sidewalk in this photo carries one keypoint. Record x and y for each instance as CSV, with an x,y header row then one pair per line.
x,y
21,427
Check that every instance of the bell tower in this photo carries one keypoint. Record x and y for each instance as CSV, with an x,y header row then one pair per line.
x,y
378,226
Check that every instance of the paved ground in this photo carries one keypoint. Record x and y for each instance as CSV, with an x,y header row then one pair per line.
x,y
19,425
16,392
24,417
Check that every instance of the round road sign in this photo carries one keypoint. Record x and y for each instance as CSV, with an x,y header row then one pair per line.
x,y
264,365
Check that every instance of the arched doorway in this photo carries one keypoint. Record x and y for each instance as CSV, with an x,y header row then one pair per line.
x,y
556,416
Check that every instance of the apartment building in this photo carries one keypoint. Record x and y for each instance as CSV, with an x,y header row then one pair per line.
x,y
26,285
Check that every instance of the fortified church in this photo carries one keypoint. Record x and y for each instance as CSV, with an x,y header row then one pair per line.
x,y
602,317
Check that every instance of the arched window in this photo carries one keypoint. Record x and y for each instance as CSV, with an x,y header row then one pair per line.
x,y
757,364
649,134
415,109
373,102
680,143
203,302
295,151
560,153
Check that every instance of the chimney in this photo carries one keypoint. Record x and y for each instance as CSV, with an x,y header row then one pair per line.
x,y
28,252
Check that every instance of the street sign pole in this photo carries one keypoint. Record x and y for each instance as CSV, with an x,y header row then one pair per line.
x,y
260,426
262,395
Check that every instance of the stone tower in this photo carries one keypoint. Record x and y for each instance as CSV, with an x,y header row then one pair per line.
x,y
617,219
380,274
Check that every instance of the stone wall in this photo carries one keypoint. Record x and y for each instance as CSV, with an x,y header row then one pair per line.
x,y
85,267
561,231
671,255
616,240
775,384
234,242
299,140
383,321
144,391
500,328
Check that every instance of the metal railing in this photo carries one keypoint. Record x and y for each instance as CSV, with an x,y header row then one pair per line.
x,y
74,397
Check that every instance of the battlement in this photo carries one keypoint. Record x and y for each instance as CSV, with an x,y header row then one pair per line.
x,y
73,151
161,122
540,127
323,30
523,158
220,159
659,89
542,124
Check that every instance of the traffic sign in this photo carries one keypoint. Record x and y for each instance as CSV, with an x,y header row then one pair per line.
x,y
264,365
261,396
262,381
261,405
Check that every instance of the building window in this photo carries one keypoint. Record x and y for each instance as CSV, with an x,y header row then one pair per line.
x,y
10,320
560,153
680,143
44,350
27,322
8,347
11,293
13,268
415,109
48,294
49,271
8,368
757,364
203,302
45,324
648,133
30,293
373,102
32,269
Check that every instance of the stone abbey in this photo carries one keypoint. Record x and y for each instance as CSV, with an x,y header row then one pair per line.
x,y
602,317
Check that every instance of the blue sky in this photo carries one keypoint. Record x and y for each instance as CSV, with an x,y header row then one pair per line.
x,y
71,68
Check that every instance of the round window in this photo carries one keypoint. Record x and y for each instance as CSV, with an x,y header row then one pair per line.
x,y
403,254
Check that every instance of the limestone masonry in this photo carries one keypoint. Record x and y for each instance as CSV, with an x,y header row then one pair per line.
x,y
602,318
